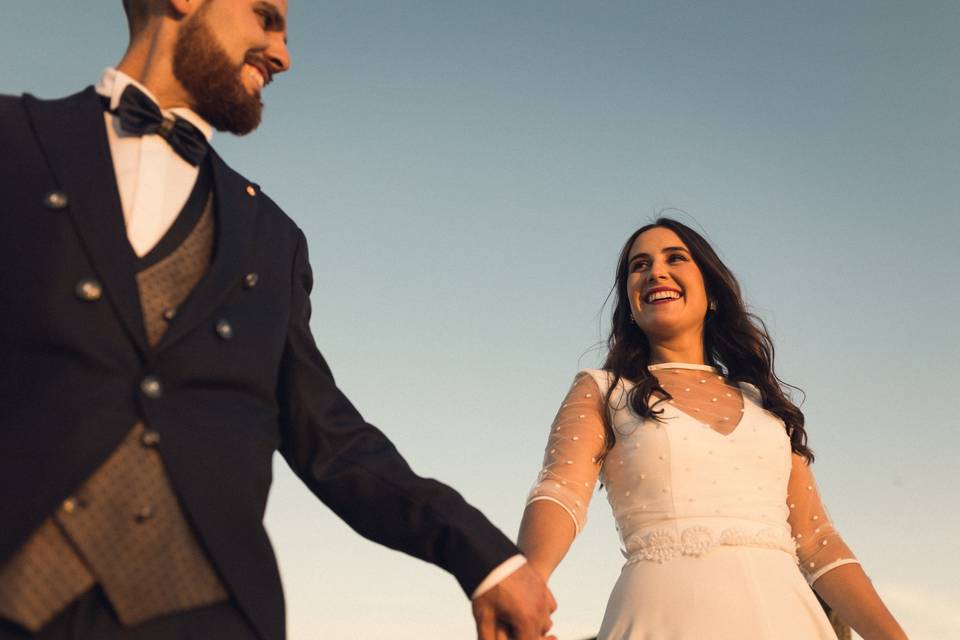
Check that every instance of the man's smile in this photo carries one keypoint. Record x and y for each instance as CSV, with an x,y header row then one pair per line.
x,y
258,75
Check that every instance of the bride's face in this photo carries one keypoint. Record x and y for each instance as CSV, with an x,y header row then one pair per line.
x,y
667,294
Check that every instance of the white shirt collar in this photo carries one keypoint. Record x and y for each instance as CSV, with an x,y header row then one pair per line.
x,y
113,82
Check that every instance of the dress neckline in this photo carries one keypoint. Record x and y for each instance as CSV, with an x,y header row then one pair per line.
x,y
682,365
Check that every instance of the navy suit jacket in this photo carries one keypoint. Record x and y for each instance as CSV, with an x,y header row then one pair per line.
x,y
71,371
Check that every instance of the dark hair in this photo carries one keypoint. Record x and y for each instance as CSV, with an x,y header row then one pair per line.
x,y
734,340
136,15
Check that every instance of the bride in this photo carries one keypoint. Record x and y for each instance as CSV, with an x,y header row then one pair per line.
x,y
706,466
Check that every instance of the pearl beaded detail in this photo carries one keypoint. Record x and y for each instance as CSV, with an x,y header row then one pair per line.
x,y
741,480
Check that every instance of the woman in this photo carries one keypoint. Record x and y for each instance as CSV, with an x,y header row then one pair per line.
x,y
705,463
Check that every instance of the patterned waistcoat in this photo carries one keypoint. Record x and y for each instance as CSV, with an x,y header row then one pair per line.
x,y
124,528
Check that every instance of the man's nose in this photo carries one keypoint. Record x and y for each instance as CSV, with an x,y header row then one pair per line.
x,y
279,56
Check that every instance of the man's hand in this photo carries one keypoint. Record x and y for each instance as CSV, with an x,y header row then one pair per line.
x,y
518,608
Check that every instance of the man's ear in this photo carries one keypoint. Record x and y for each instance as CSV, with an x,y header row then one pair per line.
x,y
183,8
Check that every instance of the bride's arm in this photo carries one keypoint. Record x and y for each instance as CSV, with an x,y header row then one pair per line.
x,y
830,566
557,506
546,533
850,593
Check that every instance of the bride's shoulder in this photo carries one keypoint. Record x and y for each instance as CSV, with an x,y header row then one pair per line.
x,y
604,378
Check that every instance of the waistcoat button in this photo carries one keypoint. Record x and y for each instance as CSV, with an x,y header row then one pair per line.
x,y
224,330
151,387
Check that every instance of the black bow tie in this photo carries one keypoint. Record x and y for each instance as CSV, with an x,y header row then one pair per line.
x,y
140,115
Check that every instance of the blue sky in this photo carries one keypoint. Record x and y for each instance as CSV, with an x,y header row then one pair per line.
x,y
466,174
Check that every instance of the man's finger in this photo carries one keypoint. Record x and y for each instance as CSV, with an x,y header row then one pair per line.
x,y
545,622
546,626
526,631
487,627
551,602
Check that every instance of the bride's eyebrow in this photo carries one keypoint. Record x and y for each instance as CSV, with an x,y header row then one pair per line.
x,y
636,257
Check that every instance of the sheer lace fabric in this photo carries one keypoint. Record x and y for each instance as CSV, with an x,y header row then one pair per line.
x,y
703,395
715,470
819,547
576,442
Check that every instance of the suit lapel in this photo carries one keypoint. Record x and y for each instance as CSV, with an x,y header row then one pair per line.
x,y
236,207
72,135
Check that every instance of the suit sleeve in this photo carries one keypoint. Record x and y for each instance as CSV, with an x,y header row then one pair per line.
x,y
356,471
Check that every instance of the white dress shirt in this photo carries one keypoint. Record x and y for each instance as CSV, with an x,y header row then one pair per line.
x,y
153,180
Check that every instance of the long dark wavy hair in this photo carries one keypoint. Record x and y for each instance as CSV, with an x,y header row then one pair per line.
x,y
735,341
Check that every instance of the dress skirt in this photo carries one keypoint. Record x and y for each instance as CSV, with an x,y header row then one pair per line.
x,y
728,593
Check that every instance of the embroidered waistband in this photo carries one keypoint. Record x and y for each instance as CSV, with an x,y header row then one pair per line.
x,y
663,544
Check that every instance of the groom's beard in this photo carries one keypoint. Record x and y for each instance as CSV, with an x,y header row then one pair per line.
x,y
213,80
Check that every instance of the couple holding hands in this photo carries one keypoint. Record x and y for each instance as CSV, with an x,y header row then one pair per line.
x,y
157,352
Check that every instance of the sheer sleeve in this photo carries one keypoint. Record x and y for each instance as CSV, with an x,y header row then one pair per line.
x,y
819,547
571,461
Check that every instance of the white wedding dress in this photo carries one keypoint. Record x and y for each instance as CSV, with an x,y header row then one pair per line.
x,y
721,524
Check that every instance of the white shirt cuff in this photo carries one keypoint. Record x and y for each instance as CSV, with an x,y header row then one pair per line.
x,y
496,576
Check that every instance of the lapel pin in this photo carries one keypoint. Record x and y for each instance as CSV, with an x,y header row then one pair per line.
x,y
89,289
55,200
250,190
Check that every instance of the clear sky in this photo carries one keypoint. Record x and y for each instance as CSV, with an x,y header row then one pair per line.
x,y
466,173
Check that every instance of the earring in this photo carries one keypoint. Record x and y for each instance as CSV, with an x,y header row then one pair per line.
x,y
712,305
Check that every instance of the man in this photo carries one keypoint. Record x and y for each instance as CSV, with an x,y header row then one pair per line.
x,y
155,351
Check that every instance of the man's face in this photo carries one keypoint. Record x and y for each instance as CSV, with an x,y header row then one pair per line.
x,y
225,53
